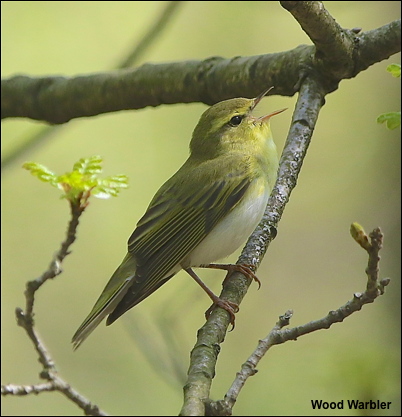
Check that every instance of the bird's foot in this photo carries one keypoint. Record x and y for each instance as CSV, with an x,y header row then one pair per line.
x,y
229,306
245,269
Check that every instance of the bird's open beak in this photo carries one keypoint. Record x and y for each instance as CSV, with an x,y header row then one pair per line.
x,y
268,116
260,97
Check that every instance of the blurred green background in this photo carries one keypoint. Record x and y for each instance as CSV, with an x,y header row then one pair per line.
x,y
351,173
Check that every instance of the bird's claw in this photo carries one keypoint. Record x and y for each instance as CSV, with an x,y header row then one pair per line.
x,y
245,269
229,306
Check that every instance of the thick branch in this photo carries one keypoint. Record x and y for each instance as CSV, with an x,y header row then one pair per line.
x,y
59,99
334,45
342,52
386,39
313,89
149,38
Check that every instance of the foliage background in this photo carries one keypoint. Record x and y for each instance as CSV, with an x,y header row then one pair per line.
x,y
351,173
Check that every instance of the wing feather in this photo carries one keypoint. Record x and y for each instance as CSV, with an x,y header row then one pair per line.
x,y
174,224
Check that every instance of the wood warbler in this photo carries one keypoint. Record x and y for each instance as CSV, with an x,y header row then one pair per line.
x,y
203,213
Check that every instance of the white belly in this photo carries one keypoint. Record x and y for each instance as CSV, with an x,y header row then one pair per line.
x,y
233,230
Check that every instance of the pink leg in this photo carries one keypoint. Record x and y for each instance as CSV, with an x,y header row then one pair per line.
x,y
230,307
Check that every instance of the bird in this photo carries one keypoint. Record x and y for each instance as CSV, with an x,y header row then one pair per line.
x,y
203,213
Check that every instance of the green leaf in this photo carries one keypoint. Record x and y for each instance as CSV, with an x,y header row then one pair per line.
x,y
392,119
41,172
89,166
82,182
110,186
395,70
74,184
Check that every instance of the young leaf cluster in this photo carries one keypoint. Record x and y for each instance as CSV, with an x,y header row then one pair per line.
x,y
82,182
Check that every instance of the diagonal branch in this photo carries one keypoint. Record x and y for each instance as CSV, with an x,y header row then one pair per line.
x,y
317,76
205,352
152,33
33,142
334,45
342,53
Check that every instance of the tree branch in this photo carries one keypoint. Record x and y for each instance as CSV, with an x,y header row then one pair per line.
x,y
386,39
140,48
54,268
60,99
375,288
26,321
313,85
205,352
152,33
342,52
334,45
311,70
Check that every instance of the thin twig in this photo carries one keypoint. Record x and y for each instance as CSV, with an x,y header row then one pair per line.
x,y
54,268
55,384
22,390
278,335
25,319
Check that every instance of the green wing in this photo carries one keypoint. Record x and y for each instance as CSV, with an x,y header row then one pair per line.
x,y
179,217
108,300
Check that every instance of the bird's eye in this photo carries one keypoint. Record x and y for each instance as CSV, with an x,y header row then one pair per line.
x,y
235,120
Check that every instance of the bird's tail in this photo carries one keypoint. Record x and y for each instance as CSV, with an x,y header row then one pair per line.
x,y
114,291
